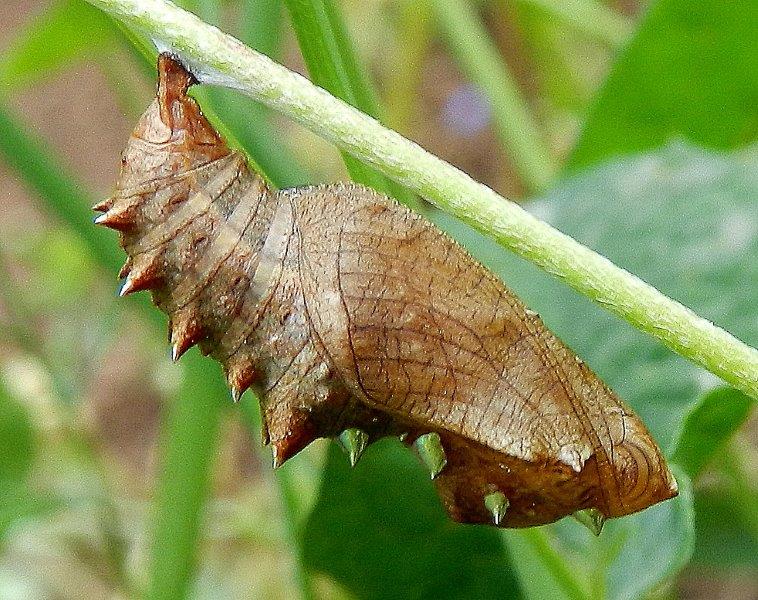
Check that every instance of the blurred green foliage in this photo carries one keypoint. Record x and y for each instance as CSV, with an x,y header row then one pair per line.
x,y
18,448
68,30
690,70
380,530
708,426
17,440
681,217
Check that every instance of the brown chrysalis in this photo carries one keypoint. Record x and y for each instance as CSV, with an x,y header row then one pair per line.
x,y
355,318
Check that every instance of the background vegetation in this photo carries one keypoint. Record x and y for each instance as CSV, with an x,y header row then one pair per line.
x,y
629,125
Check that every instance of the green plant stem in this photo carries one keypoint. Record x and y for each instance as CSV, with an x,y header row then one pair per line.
x,y
590,17
519,133
220,59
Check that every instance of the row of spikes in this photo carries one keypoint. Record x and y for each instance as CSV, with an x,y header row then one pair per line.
x,y
145,273
429,449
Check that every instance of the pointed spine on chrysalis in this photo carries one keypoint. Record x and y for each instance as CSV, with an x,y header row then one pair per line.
x,y
430,451
353,442
591,518
497,504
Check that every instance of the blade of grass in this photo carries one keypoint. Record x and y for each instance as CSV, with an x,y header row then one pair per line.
x,y
328,68
261,26
189,443
218,58
332,63
62,195
357,78
190,427
556,67
412,38
518,131
66,31
291,492
589,17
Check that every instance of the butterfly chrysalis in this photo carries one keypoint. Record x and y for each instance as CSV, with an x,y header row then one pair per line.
x,y
354,318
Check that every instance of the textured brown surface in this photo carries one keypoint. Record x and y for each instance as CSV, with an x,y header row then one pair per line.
x,y
344,309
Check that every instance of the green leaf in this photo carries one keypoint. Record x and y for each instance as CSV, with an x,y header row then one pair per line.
x,y
711,422
652,545
379,530
691,70
68,30
728,510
